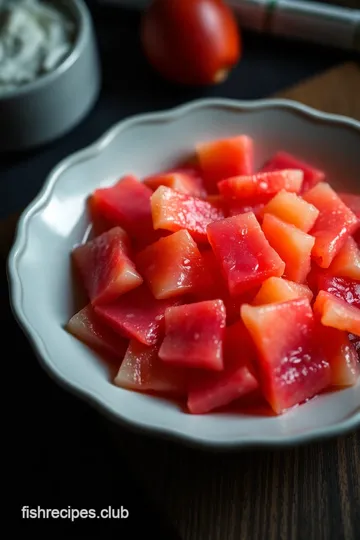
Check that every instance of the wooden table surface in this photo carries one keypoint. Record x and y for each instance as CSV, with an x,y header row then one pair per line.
x,y
308,492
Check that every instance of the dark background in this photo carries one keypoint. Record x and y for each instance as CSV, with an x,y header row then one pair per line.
x,y
60,451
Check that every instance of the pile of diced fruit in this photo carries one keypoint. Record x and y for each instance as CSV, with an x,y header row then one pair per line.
x,y
214,281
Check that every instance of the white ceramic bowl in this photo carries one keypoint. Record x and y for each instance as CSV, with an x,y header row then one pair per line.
x,y
44,110
39,263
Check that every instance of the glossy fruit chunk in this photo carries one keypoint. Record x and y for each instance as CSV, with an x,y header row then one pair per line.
x,y
217,289
291,367
277,289
334,225
337,313
352,201
117,205
173,266
194,335
99,223
293,245
210,391
261,185
342,356
347,262
142,370
104,266
136,315
243,253
344,288
223,158
178,181
88,328
284,160
235,208
174,211
292,209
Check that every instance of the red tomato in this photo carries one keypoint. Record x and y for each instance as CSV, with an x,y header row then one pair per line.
x,y
193,42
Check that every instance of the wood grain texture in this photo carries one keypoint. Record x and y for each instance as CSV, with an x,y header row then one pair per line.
x,y
307,493
336,91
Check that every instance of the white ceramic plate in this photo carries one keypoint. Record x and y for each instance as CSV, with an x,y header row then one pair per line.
x,y
39,263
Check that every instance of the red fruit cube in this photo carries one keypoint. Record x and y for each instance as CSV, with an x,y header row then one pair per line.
x,y
174,211
344,288
235,208
87,327
217,289
334,225
194,335
136,315
292,209
105,267
173,266
347,262
143,371
127,204
293,245
212,391
282,160
352,201
98,222
178,181
342,356
277,289
243,253
223,158
291,366
337,313
261,186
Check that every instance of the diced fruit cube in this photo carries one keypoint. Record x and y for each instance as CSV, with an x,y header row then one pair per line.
x,y
127,204
291,366
218,289
292,209
137,315
293,245
235,208
174,211
173,266
243,252
179,181
212,390
347,262
352,201
142,370
217,201
344,288
283,160
104,266
223,158
99,223
277,289
337,313
333,226
88,328
194,335
261,185
342,356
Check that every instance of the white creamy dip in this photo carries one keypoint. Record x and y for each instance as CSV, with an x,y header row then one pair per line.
x,y
35,38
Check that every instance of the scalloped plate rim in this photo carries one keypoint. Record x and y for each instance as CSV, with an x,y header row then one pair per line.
x,y
349,424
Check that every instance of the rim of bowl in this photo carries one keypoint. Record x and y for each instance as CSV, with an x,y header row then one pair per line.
x,y
83,27
93,399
